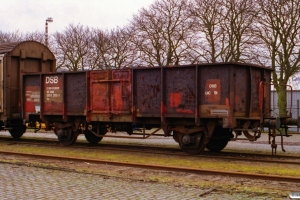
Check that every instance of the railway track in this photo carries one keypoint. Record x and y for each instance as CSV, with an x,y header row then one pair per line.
x,y
161,167
230,156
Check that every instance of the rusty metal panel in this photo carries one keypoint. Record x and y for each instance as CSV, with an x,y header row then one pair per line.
x,y
256,78
1,83
121,91
239,90
220,74
75,93
31,99
62,94
180,91
53,94
13,98
99,92
212,90
147,92
247,81
110,96
242,97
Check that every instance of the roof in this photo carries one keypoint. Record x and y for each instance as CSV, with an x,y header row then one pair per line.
x,y
7,47
29,49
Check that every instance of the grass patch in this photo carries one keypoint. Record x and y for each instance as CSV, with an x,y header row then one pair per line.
x,y
178,161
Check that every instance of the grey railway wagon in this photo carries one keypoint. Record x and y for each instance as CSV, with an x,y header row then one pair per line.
x,y
198,105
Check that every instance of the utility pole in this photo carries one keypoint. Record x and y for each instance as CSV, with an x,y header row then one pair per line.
x,y
49,19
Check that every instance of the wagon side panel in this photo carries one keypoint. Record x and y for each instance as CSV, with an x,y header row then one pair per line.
x,y
31,95
53,97
180,92
147,92
75,93
215,84
121,92
110,96
99,92
242,94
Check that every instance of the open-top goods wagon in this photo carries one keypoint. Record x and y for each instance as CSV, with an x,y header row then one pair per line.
x,y
198,105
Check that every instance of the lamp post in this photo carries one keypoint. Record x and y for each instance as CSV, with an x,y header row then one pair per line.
x,y
49,19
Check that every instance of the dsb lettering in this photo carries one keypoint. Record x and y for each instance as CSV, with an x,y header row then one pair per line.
x,y
51,79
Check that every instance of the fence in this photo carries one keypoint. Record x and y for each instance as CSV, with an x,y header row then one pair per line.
x,y
293,103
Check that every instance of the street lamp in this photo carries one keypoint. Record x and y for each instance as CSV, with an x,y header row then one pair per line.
x,y
49,19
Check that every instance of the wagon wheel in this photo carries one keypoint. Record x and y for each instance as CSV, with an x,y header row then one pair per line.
x,y
17,131
175,136
216,145
192,144
66,136
219,140
93,139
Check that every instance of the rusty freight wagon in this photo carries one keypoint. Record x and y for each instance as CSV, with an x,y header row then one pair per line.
x,y
17,58
198,105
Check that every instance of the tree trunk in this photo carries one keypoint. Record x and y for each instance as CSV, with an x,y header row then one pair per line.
x,y
282,105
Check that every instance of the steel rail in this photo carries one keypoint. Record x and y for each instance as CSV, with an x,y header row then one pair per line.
x,y
226,157
165,168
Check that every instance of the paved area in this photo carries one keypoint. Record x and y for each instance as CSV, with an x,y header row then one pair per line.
x,y
23,182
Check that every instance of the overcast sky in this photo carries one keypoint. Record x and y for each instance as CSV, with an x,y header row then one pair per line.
x,y
30,15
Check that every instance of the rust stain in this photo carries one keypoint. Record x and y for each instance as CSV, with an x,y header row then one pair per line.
x,y
163,109
179,110
175,99
117,100
227,102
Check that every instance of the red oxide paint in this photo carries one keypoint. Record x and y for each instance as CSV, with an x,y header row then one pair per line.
x,y
175,99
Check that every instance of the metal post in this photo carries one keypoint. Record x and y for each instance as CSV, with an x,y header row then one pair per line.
x,y
297,113
49,19
46,34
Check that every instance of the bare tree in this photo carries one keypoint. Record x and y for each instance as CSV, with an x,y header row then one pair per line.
x,y
72,47
113,48
6,37
18,36
224,29
279,29
35,36
161,32
207,20
240,16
